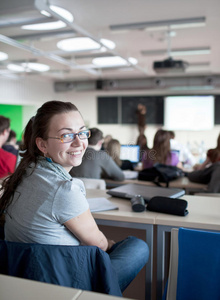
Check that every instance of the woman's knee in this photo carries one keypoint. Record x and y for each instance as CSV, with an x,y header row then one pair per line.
x,y
140,246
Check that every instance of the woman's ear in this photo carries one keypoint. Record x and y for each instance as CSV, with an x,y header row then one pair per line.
x,y
41,145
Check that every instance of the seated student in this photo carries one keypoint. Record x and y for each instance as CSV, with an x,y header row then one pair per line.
x,y
44,204
113,149
97,163
10,144
185,156
212,156
160,153
142,142
7,160
106,140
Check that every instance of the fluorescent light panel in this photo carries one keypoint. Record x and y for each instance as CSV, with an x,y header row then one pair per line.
x,y
28,67
199,51
3,56
51,25
78,44
84,44
173,24
179,52
62,12
109,61
113,61
45,26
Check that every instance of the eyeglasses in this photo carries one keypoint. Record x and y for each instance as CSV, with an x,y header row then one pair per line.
x,y
69,137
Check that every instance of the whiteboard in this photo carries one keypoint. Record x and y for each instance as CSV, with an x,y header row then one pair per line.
x,y
189,112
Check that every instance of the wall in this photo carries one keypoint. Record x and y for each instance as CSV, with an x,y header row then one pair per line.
x,y
33,92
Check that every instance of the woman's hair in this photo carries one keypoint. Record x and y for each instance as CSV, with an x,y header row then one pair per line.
x,y
96,136
37,126
218,142
12,135
161,146
113,149
4,123
142,142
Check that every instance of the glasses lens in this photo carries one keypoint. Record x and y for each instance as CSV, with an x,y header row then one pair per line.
x,y
84,134
68,137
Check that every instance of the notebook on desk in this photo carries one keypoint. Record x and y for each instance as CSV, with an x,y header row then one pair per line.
x,y
128,191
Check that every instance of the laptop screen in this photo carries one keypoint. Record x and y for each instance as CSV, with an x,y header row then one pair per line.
x,y
130,152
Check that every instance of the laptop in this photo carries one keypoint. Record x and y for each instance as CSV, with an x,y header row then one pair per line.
x,y
128,191
130,152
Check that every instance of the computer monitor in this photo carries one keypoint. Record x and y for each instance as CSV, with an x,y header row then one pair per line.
x,y
130,152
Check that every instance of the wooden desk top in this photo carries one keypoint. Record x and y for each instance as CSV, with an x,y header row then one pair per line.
x,y
204,212
182,182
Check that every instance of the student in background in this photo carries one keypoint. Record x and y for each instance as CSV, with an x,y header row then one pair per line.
x,y
160,153
97,163
142,142
106,140
212,156
10,144
43,204
7,160
114,149
141,118
185,156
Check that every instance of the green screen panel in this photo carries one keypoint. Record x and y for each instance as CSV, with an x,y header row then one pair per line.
x,y
14,113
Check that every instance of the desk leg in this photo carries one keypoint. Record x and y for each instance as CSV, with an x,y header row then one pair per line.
x,y
149,234
163,255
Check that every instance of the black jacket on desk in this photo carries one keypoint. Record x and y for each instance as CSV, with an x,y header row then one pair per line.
x,y
81,267
97,164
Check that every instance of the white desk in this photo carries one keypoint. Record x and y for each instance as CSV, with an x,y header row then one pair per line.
x,y
204,213
13,288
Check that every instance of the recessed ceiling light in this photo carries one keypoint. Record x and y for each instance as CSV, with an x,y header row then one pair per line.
x,y
78,44
15,68
62,12
3,56
109,44
45,26
36,67
109,61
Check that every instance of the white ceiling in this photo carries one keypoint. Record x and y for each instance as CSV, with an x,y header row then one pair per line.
x,y
93,18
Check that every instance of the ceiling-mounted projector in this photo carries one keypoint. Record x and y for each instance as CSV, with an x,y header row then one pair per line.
x,y
170,66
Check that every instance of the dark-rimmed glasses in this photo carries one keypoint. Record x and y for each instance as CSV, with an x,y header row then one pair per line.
x,y
69,137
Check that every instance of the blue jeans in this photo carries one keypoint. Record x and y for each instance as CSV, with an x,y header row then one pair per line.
x,y
128,257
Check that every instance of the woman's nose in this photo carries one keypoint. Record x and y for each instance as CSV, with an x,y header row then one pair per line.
x,y
76,141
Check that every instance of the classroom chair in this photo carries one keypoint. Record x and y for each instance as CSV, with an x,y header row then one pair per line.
x,y
81,267
92,183
194,265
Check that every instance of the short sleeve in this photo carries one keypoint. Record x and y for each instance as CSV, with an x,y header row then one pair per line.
x,y
70,201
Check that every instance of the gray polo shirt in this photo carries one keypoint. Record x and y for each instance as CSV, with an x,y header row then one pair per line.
x,y
42,203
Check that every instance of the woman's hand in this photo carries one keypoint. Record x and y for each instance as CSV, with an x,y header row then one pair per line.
x,y
110,244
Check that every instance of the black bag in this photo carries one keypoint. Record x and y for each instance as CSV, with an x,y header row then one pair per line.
x,y
160,173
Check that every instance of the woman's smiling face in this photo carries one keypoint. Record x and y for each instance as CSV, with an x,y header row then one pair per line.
x,y
69,154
